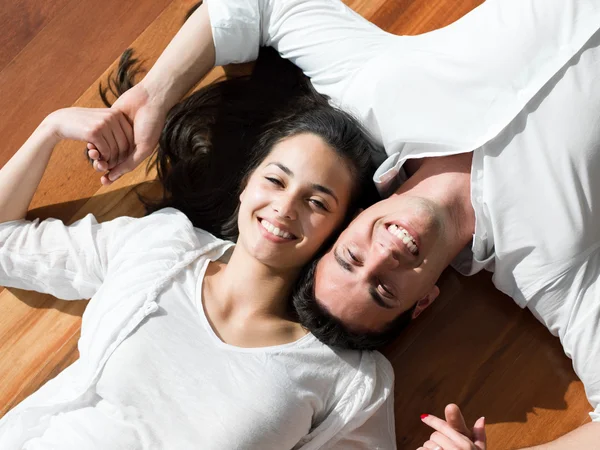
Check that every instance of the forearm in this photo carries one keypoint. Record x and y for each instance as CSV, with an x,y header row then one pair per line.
x,y
584,437
21,175
187,58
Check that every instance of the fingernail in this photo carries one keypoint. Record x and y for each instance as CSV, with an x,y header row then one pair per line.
x,y
423,416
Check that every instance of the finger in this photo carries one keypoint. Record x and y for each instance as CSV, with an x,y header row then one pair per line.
x,y
93,154
440,425
444,441
126,166
456,420
122,143
430,445
479,437
110,137
127,129
103,147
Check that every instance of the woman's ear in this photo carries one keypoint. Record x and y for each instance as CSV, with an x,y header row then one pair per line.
x,y
426,301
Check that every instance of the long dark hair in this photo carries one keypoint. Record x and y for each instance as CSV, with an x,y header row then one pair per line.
x,y
213,139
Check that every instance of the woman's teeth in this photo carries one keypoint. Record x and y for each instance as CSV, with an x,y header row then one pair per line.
x,y
405,236
276,231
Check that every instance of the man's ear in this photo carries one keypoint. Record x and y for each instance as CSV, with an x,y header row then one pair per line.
x,y
426,301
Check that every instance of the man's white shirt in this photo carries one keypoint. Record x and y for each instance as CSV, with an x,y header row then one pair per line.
x,y
515,82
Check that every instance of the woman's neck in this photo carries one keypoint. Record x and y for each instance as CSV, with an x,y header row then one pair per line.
x,y
247,303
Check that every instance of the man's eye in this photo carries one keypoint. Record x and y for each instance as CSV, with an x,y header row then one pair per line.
x,y
386,290
353,256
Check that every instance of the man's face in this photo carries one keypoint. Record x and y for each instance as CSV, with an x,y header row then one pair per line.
x,y
388,259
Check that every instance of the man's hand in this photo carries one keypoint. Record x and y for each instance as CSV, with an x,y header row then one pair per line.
x,y
453,433
148,119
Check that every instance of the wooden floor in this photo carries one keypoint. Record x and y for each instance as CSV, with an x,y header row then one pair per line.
x,y
474,347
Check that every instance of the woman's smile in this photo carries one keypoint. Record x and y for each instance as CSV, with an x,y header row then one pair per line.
x,y
275,232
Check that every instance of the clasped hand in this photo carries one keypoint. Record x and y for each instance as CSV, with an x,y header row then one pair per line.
x,y
119,138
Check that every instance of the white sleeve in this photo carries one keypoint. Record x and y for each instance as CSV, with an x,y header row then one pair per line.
x,y
367,413
377,433
69,262
325,38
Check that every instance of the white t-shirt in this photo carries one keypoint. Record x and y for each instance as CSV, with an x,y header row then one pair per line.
x,y
152,373
515,81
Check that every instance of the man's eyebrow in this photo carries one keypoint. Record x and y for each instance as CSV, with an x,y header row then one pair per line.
x,y
377,298
315,186
344,264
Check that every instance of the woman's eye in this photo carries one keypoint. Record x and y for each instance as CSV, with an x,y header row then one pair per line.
x,y
274,181
319,204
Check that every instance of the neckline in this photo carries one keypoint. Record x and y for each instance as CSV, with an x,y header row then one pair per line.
x,y
199,303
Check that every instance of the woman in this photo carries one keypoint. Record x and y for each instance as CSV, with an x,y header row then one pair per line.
x,y
189,341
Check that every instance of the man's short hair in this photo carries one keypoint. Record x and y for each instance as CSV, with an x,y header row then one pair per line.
x,y
330,330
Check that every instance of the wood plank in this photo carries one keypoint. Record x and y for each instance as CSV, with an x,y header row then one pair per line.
x,y
21,21
63,59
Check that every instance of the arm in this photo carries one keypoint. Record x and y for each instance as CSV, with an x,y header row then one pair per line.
x,y
47,256
325,38
21,175
187,58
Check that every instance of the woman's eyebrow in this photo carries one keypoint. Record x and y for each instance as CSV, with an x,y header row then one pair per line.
x,y
315,186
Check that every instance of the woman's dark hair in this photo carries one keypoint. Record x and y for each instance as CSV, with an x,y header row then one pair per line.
x,y
331,330
213,140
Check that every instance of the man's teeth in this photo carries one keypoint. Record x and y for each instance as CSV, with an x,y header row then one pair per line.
x,y
275,230
408,240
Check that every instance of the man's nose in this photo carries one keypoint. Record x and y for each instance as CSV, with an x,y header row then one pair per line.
x,y
381,258
285,207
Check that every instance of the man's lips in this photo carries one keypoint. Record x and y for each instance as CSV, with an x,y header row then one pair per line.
x,y
403,237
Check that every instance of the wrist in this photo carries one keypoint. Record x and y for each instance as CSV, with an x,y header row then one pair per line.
x,y
49,130
160,95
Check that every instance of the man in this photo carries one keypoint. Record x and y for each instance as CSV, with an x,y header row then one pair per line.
x,y
490,133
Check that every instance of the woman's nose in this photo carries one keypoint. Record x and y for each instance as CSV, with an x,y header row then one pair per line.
x,y
285,207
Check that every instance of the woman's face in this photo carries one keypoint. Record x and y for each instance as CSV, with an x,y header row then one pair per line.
x,y
293,201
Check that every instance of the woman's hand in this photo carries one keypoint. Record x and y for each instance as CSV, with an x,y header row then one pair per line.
x,y
148,118
453,434
107,129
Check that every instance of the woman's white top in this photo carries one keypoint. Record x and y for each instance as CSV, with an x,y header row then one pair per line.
x,y
152,374
515,81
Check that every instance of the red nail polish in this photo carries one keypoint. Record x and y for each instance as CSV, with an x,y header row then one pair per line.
x,y
423,416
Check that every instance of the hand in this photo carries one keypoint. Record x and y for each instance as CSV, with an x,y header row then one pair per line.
x,y
148,119
108,130
453,434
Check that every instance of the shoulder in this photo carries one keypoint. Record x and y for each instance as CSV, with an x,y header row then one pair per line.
x,y
167,231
